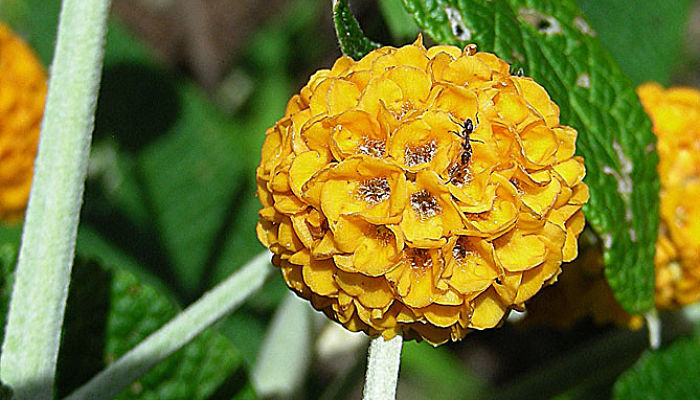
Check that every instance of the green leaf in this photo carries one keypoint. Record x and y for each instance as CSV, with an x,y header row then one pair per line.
x,y
10,235
9,249
646,42
36,21
399,22
352,40
671,373
554,45
180,162
93,246
109,311
191,176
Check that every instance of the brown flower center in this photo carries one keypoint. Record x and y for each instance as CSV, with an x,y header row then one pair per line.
x,y
374,191
425,204
418,258
372,147
462,250
382,234
417,155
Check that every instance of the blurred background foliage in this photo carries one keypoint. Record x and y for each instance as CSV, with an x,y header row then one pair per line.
x,y
189,88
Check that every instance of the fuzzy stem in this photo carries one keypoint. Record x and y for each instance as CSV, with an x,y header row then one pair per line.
x,y
383,368
212,306
33,330
654,328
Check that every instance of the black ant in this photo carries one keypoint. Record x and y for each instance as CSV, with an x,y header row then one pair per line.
x,y
467,129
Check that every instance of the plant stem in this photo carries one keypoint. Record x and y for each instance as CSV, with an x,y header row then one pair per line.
x,y
285,355
382,368
654,328
32,337
212,306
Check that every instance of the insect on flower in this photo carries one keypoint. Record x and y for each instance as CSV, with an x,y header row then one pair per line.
x,y
468,128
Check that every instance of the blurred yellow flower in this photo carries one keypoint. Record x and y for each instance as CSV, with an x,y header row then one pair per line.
x,y
22,95
675,114
421,192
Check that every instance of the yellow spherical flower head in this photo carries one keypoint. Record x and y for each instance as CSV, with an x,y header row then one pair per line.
x,y
22,94
675,114
421,192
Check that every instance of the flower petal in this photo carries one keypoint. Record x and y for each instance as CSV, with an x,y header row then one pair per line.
x,y
488,311
540,144
517,252
357,132
571,170
304,166
319,276
443,316
466,70
538,98
371,292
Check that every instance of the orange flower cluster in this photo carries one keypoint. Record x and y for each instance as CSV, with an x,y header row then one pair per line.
x,y
675,114
421,192
22,94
